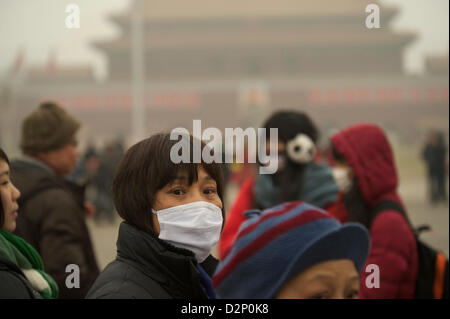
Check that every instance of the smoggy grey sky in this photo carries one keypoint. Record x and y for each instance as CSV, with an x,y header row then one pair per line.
x,y
38,27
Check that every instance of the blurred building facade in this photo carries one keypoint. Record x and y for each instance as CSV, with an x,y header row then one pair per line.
x,y
231,63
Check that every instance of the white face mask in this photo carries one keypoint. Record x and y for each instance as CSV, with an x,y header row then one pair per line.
x,y
195,226
342,179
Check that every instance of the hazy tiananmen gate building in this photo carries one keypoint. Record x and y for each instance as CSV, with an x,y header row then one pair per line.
x,y
230,63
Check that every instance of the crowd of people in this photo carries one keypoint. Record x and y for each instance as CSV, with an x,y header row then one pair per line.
x,y
95,171
308,231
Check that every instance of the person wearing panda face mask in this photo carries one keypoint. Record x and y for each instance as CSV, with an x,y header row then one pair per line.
x,y
299,176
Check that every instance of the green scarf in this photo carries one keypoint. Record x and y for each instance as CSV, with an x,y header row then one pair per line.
x,y
26,257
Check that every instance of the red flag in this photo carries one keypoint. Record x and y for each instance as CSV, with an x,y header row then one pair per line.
x,y
18,62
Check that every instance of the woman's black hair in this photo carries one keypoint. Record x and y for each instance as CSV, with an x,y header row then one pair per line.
x,y
145,169
3,157
337,157
355,204
353,199
289,125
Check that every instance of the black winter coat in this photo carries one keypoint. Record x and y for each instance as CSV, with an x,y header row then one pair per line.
x,y
13,284
149,268
52,219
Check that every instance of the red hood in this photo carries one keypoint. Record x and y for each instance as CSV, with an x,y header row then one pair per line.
x,y
367,150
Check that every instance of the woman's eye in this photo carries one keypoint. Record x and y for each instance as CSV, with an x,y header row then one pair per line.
x,y
177,191
210,191
323,295
353,295
4,183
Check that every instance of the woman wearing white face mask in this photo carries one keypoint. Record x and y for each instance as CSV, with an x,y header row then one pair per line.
x,y
173,217
367,176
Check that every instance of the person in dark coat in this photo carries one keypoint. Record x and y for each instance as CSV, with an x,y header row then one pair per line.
x,y
364,154
52,217
173,216
22,274
434,154
102,180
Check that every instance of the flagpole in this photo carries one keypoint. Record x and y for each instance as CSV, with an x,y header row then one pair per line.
x,y
138,72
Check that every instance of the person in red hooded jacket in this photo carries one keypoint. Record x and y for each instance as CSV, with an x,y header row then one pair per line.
x,y
367,175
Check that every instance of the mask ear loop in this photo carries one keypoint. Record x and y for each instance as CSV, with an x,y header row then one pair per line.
x,y
301,141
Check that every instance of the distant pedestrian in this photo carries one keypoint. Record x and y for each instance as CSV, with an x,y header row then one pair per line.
x,y
102,181
435,156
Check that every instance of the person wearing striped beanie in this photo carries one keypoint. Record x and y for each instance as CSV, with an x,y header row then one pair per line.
x,y
293,250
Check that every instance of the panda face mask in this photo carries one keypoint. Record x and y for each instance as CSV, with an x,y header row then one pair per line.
x,y
301,149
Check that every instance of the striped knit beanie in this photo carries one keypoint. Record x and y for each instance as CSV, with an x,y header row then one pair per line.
x,y
277,244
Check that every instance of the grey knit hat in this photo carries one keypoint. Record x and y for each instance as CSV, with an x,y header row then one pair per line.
x,y
47,128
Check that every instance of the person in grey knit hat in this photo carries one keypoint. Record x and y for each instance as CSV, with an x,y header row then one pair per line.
x,y
46,128
52,209
48,133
